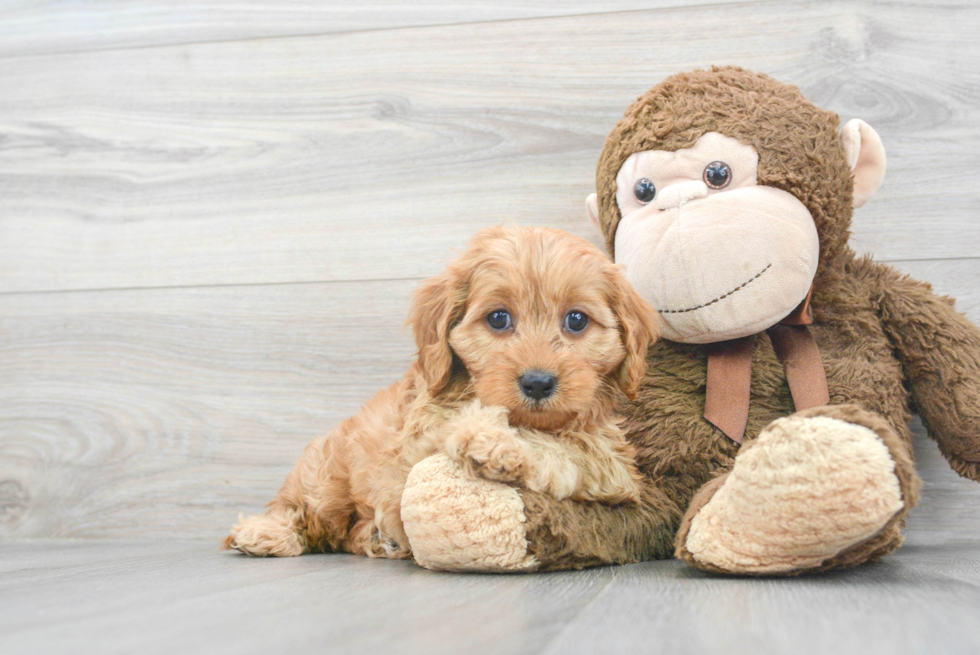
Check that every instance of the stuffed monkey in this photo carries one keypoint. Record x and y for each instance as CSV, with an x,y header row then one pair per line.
x,y
772,425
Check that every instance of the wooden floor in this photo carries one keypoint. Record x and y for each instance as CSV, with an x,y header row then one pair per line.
x,y
184,597
212,214
179,596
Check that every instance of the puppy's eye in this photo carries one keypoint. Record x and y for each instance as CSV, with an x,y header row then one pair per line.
x,y
576,321
499,320
644,190
717,175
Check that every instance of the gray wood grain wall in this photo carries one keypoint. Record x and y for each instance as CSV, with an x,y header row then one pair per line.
x,y
211,214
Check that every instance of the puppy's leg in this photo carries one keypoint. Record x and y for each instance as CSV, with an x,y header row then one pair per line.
x,y
276,533
310,513
481,439
597,466
584,467
607,466
366,538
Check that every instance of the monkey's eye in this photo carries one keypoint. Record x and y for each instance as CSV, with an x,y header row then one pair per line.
x,y
576,321
717,175
644,190
499,320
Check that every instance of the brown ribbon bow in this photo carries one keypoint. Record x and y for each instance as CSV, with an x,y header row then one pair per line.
x,y
730,372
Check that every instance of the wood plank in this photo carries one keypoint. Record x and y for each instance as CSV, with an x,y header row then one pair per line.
x,y
918,600
162,413
947,503
225,603
956,278
350,157
166,412
106,597
31,28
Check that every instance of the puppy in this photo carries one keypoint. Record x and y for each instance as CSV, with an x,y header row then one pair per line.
x,y
522,344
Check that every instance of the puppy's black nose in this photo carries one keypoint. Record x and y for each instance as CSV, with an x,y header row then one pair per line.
x,y
538,384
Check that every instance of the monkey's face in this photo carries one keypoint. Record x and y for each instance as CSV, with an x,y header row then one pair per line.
x,y
719,256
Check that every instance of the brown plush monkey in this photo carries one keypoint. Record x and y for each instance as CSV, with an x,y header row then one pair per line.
x,y
772,426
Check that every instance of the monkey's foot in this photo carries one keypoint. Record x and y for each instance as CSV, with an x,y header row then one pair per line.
x,y
824,488
457,522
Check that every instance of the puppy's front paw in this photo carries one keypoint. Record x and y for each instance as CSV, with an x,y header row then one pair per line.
x,y
490,452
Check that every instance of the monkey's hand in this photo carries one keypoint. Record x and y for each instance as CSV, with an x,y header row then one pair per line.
x,y
939,350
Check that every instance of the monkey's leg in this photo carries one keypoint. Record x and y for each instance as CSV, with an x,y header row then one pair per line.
x,y
940,354
824,488
459,522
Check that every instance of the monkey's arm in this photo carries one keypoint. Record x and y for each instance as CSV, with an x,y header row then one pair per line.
x,y
939,350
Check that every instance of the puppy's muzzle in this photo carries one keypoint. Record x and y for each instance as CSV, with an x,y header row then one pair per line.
x,y
537,385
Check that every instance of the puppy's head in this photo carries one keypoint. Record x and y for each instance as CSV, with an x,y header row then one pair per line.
x,y
540,320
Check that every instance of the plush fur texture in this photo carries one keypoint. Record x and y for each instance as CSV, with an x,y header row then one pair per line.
x,y
446,514
798,145
888,344
462,397
825,468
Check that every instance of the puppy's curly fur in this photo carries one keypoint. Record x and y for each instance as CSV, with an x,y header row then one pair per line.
x,y
462,396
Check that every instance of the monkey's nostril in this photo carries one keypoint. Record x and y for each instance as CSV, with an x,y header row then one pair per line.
x,y
538,385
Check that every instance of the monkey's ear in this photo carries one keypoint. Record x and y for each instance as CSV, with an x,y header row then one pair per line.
x,y
866,157
437,305
592,210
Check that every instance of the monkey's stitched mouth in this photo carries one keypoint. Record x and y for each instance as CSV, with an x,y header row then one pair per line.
x,y
721,297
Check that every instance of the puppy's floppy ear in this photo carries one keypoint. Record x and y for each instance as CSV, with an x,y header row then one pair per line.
x,y
437,304
639,325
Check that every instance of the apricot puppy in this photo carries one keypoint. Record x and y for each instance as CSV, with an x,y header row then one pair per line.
x,y
522,344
